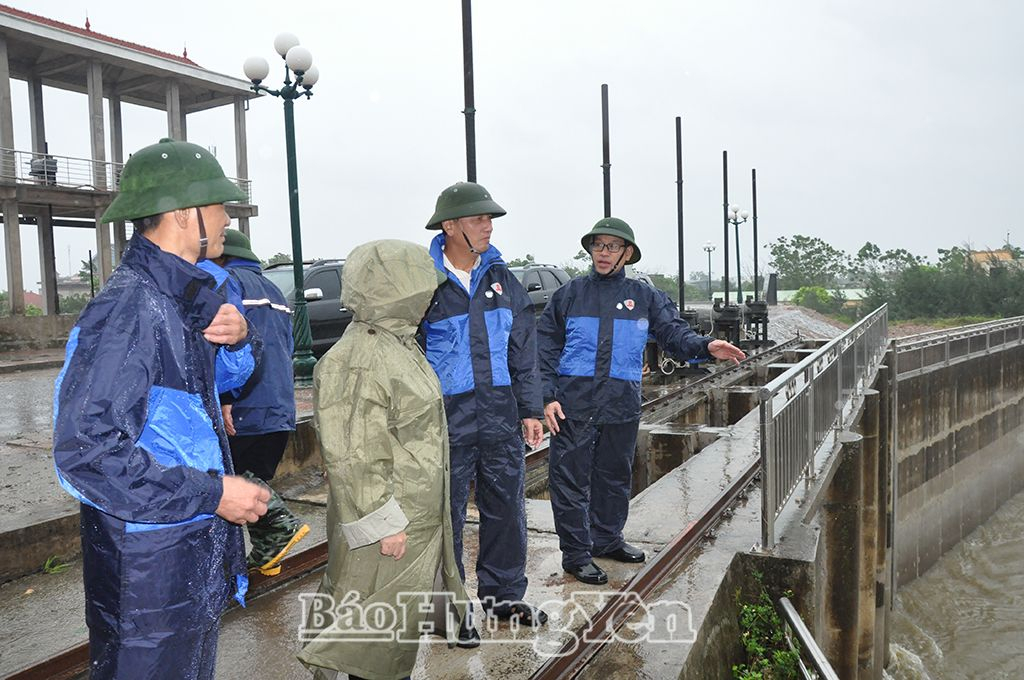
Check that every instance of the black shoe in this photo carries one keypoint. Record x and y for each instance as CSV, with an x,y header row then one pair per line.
x,y
469,637
589,573
626,553
526,614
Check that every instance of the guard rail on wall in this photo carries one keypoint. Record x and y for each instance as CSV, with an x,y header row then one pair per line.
x,y
805,646
42,169
804,408
933,350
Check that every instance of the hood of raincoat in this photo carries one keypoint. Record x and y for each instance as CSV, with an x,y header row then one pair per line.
x,y
389,284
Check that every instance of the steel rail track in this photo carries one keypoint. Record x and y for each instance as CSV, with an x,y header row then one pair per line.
x,y
577,652
74,661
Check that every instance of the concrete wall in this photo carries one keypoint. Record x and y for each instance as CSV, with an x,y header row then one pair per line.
x,y
959,439
35,332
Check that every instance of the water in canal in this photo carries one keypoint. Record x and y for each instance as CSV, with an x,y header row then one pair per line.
x,y
965,617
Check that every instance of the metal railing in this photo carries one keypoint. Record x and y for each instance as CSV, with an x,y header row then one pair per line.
x,y
795,627
805,407
933,350
43,169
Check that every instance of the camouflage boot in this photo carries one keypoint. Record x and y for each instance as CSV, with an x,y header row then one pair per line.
x,y
274,534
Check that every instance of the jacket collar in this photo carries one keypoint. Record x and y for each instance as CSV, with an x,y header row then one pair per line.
x,y
489,257
191,289
244,264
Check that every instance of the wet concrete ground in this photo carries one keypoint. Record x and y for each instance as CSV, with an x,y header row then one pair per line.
x,y
44,614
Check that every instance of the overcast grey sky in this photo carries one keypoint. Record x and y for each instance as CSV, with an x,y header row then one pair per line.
x,y
898,123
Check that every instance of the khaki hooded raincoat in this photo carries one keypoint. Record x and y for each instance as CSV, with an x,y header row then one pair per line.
x,y
381,423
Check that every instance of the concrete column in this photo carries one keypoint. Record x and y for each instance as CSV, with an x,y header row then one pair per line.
x,y
12,249
117,156
175,117
883,547
241,144
869,538
47,264
8,169
36,119
842,559
243,225
94,85
103,248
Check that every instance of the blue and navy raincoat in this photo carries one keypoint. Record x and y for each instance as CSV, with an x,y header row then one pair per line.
x,y
482,345
267,402
590,344
139,440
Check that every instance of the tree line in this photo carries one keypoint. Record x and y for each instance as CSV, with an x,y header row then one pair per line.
x,y
960,282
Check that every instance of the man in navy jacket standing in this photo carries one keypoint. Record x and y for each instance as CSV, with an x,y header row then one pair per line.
x,y
138,437
591,340
481,340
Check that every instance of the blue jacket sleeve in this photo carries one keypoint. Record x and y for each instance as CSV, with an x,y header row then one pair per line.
x,y
101,404
237,363
522,356
551,342
672,333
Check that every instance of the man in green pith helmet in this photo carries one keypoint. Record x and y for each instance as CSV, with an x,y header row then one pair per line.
x,y
260,416
590,345
481,340
138,436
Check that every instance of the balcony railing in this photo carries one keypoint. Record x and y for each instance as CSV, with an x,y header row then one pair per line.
x,y
26,167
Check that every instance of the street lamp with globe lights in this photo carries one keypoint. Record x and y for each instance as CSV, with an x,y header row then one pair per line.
x,y
298,62
736,218
709,248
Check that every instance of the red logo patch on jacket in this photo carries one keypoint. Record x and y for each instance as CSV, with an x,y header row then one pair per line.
x,y
496,287
629,304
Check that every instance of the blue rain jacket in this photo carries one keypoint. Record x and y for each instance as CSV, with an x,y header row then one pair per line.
x,y
139,441
267,402
590,344
482,344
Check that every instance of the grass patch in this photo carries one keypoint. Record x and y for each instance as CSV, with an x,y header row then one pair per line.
x,y
761,632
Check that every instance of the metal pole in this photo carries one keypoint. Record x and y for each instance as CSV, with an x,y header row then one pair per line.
x,y
606,146
679,206
302,359
739,273
709,274
470,110
753,192
725,219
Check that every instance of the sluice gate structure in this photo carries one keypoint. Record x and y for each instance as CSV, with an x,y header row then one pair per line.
x,y
834,470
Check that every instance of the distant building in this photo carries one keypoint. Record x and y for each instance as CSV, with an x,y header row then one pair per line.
x,y
987,259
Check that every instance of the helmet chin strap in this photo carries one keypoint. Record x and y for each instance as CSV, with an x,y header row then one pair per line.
x,y
468,243
203,240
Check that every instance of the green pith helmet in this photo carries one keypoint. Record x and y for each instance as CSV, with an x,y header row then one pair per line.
x,y
168,176
613,226
463,199
236,244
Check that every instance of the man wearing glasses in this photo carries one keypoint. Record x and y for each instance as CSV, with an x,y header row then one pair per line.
x,y
590,344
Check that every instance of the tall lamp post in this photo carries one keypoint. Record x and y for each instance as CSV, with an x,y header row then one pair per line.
x,y
298,62
736,218
709,248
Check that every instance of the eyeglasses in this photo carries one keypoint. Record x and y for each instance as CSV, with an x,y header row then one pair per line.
x,y
610,247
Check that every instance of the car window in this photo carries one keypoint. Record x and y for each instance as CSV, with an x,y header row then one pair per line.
x,y
530,278
561,276
519,274
328,282
549,280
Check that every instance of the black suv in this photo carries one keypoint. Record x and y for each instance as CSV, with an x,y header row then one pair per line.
x,y
328,319
540,281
